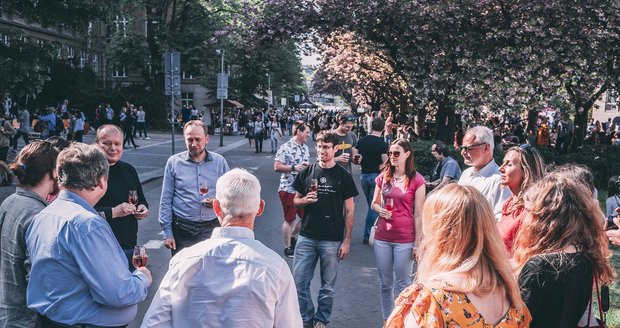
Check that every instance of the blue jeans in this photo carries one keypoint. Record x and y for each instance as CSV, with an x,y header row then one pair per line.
x,y
368,186
307,252
393,259
274,144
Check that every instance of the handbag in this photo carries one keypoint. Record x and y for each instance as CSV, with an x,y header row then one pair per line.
x,y
373,230
592,321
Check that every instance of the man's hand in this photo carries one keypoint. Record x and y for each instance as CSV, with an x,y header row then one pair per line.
x,y
170,243
208,202
343,158
141,212
147,273
312,197
614,235
123,209
343,251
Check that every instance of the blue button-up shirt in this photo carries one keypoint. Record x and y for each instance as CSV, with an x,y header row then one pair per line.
x,y
79,272
180,194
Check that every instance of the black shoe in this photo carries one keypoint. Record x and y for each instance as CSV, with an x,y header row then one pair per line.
x,y
256,152
365,242
293,242
289,252
136,146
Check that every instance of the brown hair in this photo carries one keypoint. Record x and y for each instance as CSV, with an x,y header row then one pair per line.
x,y
563,213
461,238
34,161
388,169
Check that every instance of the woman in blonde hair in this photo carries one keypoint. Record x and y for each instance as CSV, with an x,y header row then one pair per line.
x,y
560,249
464,278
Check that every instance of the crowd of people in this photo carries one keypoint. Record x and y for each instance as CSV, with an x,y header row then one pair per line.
x,y
519,244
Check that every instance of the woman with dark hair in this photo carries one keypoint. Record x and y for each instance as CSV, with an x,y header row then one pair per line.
x,y
561,250
612,204
522,166
34,169
398,199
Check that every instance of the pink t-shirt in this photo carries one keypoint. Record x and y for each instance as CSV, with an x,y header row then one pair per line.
x,y
400,228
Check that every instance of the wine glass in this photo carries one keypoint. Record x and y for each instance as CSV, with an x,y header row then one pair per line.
x,y
140,258
203,188
389,204
133,197
314,185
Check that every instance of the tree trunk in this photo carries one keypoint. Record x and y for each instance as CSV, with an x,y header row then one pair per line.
x,y
420,124
581,125
444,127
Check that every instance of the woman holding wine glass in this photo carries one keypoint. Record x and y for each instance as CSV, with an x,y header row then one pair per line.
x,y
398,199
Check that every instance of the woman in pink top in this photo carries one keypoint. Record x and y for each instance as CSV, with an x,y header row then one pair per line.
x,y
399,197
521,167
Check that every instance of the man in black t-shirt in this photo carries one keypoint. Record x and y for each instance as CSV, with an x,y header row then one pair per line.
x,y
325,227
373,151
114,206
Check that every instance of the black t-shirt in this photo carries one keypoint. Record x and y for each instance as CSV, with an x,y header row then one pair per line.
x,y
371,148
121,178
556,289
324,220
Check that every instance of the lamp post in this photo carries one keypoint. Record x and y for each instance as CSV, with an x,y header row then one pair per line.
x,y
221,53
269,90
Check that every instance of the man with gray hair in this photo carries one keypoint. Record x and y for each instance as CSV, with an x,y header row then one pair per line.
x,y
477,151
231,279
79,274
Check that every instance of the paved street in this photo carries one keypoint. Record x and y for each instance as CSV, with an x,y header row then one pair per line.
x,y
356,302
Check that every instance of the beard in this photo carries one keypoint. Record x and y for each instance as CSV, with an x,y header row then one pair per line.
x,y
196,153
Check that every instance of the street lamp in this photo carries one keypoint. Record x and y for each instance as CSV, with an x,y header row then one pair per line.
x,y
221,53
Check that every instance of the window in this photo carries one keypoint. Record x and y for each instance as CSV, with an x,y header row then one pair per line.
x,y
95,63
82,58
187,98
119,72
187,76
6,40
121,24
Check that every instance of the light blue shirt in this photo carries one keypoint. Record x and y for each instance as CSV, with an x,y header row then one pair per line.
x,y
450,168
79,272
180,194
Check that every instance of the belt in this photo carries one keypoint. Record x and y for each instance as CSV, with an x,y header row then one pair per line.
x,y
49,323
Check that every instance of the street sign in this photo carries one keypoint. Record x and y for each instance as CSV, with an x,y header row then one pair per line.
x,y
283,101
222,86
172,84
172,74
296,98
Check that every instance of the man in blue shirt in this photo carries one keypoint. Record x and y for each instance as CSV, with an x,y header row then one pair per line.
x,y
447,169
186,210
79,272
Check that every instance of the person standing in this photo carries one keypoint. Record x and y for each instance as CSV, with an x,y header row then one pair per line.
x,y
373,151
258,128
141,123
23,116
275,133
347,140
325,228
186,212
231,270
114,206
292,157
34,169
109,114
77,125
79,272
399,229
477,151
6,136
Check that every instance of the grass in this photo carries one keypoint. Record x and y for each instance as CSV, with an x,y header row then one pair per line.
x,y
613,316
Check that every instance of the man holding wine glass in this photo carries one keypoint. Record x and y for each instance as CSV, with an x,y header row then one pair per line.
x,y
79,275
123,204
186,208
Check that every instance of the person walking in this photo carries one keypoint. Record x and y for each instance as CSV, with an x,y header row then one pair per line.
x,y
325,228
275,134
127,123
186,208
6,136
398,199
258,128
77,125
373,151
347,140
23,117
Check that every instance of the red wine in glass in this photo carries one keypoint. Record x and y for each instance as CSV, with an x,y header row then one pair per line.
x,y
203,188
389,204
133,197
140,258
314,185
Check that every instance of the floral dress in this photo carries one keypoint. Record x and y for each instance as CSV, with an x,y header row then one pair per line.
x,y
438,308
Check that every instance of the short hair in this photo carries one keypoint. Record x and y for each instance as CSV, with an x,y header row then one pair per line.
x,y
81,166
377,124
345,117
34,161
197,123
238,192
613,186
105,126
441,148
328,136
59,143
297,125
483,135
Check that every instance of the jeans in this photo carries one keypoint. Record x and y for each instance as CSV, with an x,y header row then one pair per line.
x,y
393,259
274,144
368,186
141,128
307,252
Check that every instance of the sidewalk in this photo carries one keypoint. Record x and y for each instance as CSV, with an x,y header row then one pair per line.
x,y
150,157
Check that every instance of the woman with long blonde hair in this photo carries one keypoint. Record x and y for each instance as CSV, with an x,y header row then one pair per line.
x,y
464,277
560,250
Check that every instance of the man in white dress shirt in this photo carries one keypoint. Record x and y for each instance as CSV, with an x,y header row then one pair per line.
x,y
477,151
230,280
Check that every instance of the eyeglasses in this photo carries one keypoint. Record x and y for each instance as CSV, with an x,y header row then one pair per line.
x,y
469,148
396,153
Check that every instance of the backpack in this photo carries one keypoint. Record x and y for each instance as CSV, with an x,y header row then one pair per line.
x,y
59,126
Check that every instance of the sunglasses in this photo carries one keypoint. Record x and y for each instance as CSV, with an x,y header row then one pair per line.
x,y
469,148
395,153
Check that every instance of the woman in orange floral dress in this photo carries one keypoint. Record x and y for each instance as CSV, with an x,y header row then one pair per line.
x,y
464,278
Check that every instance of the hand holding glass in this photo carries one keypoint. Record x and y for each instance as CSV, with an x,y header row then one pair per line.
x,y
314,185
389,204
204,189
140,258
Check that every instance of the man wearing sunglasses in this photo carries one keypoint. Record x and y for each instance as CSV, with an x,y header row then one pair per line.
x,y
477,151
345,151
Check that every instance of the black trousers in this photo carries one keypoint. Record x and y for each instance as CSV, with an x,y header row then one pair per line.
x,y
188,233
22,134
258,142
46,322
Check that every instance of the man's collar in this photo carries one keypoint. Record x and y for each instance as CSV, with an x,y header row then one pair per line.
x,y
488,169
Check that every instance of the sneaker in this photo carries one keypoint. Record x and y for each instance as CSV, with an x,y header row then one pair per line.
x,y
147,138
318,324
289,252
308,325
293,242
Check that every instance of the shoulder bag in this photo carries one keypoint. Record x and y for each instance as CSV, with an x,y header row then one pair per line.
x,y
602,298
